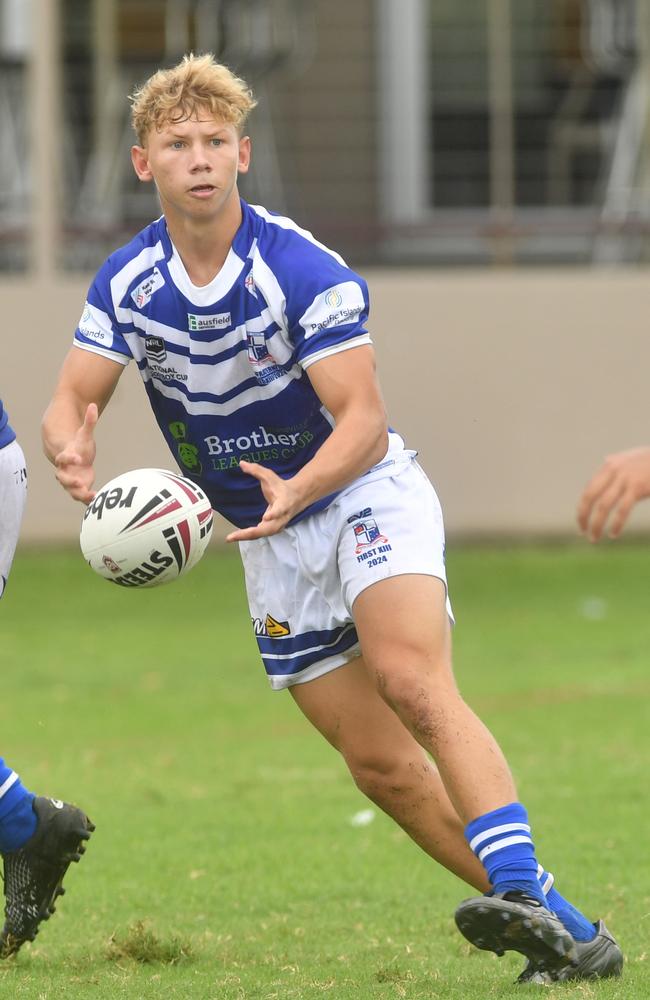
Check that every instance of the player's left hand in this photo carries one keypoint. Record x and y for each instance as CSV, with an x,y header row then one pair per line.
x,y
283,503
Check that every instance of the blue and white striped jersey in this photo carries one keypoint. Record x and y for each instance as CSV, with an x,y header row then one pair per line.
x,y
7,435
224,365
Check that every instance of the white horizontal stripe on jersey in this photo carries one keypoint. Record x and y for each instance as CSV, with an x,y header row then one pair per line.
x,y
496,831
215,375
221,343
6,785
208,407
499,845
284,223
335,349
123,359
144,261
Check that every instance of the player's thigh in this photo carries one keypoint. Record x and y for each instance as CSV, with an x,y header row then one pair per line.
x,y
405,632
346,708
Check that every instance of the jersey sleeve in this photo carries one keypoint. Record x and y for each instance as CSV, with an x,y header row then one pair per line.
x,y
98,330
326,306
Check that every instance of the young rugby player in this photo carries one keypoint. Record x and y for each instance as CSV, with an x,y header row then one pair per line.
x,y
39,837
251,340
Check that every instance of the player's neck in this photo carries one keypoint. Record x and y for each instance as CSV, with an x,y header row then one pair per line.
x,y
203,245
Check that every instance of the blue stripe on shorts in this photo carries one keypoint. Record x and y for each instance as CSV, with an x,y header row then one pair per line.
x,y
288,656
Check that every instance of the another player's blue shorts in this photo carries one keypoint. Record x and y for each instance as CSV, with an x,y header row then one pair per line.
x,y
302,583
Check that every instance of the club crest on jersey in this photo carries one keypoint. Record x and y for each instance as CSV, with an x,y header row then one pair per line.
x,y
270,628
146,288
366,534
155,348
257,349
266,370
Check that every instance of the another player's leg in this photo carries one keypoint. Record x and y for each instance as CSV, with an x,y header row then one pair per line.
x,y
404,632
39,838
13,493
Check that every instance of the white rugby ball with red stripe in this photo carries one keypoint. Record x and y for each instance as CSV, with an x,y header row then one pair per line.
x,y
146,527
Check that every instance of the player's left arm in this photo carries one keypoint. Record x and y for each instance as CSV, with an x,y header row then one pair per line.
x,y
346,384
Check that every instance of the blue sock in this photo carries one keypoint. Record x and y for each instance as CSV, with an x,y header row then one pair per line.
x,y
502,842
17,818
575,922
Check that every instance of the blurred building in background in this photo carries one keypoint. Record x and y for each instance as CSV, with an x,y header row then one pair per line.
x,y
443,146
405,131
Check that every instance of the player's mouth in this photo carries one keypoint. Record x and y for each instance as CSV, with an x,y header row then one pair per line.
x,y
202,190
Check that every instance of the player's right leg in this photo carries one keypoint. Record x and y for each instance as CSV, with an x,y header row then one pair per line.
x,y
13,493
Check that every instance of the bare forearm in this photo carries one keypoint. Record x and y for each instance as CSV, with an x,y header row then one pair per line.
x,y
63,418
354,446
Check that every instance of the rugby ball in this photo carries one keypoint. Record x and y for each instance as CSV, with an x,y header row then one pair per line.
x,y
146,527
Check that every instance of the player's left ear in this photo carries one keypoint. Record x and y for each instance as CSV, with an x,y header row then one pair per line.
x,y
244,155
140,162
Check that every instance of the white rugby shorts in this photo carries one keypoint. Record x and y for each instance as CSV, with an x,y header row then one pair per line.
x,y
13,493
302,582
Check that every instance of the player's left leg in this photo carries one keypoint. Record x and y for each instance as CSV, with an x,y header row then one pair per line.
x,y
404,631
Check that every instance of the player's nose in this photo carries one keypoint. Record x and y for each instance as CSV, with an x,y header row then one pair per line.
x,y
199,160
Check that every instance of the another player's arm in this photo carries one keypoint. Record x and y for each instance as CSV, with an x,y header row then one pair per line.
x,y
347,386
86,383
622,480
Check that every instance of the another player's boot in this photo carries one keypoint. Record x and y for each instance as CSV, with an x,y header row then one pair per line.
x,y
513,921
600,958
33,874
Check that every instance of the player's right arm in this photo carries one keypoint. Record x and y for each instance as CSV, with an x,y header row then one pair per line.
x,y
85,385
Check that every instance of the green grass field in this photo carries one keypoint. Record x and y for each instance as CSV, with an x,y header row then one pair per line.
x,y
225,863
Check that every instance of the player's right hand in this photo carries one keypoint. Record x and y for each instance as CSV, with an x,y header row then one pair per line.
x,y
622,480
75,463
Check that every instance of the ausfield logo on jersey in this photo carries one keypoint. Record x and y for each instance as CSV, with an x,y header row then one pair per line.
x,y
336,306
217,321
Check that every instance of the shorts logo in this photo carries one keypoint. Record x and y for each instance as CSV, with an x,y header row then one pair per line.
x,y
217,321
271,628
146,288
155,348
367,534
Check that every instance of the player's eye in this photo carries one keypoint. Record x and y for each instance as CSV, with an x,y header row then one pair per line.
x,y
177,144
216,142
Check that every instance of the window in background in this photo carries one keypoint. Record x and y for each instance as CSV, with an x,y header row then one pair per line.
x,y
521,126
14,148
109,48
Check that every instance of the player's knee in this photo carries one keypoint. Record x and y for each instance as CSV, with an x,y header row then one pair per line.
x,y
420,703
378,776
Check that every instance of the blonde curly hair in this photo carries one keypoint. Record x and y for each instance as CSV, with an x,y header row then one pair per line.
x,y
196,83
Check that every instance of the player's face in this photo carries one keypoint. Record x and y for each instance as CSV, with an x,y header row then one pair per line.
x,y
194,164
